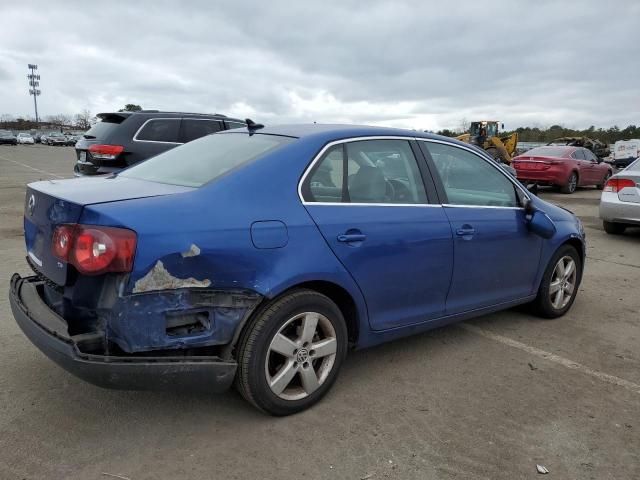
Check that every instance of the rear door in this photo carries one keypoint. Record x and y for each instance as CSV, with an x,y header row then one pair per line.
x,y
369,201
496,258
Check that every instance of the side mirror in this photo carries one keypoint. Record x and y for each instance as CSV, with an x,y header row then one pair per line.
x,y
503,126
539,223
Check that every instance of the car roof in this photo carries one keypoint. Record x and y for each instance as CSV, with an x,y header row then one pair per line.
x,y
160,113
330,132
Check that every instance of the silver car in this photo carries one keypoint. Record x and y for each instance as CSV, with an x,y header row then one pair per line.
x,y
620,201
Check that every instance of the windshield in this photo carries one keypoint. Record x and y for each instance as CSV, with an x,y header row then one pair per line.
x,y
547,152
200,161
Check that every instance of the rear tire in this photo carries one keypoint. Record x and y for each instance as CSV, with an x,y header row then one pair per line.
x,y
559,284
291,352
613,228
571,185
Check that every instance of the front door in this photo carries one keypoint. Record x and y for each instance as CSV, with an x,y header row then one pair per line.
x,y
496,257
368,199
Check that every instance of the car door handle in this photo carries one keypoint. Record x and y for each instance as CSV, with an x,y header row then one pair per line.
x,y
352,237
465,231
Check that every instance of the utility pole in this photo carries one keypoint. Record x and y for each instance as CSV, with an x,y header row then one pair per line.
x,y
34,83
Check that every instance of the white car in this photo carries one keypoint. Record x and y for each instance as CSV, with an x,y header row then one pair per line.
x,y
25,138
620,201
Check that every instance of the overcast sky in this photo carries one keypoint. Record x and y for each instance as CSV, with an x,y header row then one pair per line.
x,y
409,64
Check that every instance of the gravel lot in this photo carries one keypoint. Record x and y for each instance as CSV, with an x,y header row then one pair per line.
x,y
490,398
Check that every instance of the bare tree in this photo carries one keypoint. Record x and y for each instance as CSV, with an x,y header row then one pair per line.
x,y
464,125
6,118
83,119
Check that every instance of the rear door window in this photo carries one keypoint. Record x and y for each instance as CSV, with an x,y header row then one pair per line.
x,y
578,154
367,171
159,130
192,128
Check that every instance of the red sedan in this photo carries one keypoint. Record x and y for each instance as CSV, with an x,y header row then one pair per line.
x,y
565,167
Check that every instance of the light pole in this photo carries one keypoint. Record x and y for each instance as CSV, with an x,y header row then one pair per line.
x,y
34,83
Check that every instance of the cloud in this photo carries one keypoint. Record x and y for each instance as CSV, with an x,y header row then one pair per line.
x,y
402,63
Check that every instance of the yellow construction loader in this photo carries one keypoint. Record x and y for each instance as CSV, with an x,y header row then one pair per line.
x,y
485,134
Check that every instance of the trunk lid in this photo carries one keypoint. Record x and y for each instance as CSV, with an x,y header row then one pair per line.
x,y
630,194
56,202
534,163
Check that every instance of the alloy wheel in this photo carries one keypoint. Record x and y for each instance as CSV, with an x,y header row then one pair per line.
x,y
573,182
300,356
563,282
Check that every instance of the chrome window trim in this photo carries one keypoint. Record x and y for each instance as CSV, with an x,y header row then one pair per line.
x,y
514,181
349,140
135,136
419,139
341,204
451,205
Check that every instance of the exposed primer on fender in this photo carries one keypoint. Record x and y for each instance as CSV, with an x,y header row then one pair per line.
x,y
159,278
193,251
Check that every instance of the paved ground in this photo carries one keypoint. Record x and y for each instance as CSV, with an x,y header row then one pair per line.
x,y
488,399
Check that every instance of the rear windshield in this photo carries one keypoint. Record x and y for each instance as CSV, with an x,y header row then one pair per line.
x,y
105,126
547,151
634,167
201,161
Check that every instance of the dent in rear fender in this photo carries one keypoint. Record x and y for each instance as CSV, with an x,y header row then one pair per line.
x,y
178,318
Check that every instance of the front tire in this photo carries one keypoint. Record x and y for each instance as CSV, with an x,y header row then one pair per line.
x,y
291,353
613,228
559,284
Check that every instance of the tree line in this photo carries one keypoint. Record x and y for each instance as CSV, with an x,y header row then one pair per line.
x,y
546,135
79,121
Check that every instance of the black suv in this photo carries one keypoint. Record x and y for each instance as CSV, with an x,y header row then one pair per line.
x,y
121,139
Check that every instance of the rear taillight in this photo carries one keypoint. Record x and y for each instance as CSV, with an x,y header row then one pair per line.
x,y
616,184
62,241
106,152
93,249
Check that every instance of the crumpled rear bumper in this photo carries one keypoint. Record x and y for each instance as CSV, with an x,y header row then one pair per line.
x,y
48,331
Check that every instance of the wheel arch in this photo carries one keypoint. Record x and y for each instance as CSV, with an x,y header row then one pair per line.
x,y
343,299
579,245
353,314
576,171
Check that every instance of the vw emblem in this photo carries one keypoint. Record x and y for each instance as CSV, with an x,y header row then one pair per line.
x,y
31,205
302,355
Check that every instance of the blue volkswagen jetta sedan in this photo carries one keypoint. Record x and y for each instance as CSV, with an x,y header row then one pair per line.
x,y
259,257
